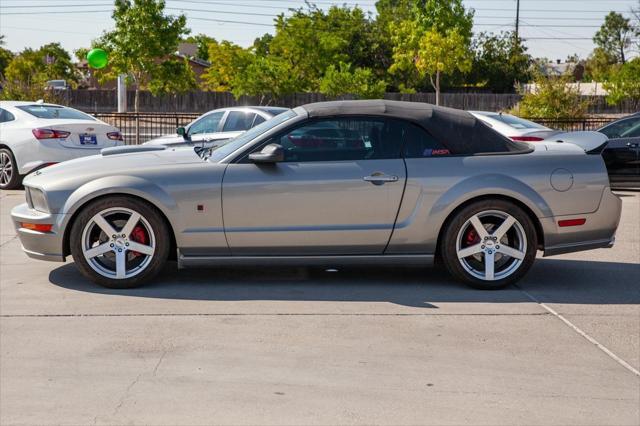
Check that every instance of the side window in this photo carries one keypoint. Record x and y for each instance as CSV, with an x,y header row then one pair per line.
x,y
616,130
342,139
207,124
238,121
632,132
419,144
6,116
259,119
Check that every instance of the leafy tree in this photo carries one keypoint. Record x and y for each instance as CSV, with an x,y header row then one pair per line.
x,y
261,45
360,82
553,98
624,84
439,16
144,39
599,65
5,56
442,54
227,61
615,36
268,77
166,83
500,61
310,40
202,41
27,73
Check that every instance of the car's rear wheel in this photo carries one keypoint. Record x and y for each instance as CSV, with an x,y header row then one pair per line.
x,y
489,244
119,242
9,176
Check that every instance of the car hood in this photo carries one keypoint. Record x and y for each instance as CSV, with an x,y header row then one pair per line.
x,y
112,161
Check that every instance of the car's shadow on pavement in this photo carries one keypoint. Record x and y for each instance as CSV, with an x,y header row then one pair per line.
x,y
550,280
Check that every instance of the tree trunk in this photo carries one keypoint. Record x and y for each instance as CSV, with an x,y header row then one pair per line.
x,y
437,87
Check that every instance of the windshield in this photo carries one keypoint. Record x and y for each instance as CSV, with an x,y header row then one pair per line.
x,y
217,153
53,112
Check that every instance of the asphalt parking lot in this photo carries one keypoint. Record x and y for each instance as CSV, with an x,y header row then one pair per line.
x,y
304,346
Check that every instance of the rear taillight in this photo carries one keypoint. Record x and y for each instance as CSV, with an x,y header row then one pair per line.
x,y
50,134
526,138
115,136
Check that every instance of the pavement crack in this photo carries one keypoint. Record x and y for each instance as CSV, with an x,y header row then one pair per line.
x,y
126,394
8,241
155,369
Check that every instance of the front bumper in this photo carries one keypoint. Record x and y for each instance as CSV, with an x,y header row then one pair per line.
x,y
598,231
39,245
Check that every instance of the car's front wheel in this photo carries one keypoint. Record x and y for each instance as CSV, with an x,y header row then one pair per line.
x,y
489,244
119,242
9,176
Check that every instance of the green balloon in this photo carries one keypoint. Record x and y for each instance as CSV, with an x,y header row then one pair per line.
x,y
97,58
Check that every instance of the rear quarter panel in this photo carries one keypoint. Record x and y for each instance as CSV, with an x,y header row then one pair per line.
x,y
437,186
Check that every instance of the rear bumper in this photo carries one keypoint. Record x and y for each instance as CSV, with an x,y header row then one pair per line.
x,y
39,245
598,231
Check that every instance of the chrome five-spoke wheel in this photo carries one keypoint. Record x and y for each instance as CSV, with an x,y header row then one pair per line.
x,y
489,244
9,177
120,242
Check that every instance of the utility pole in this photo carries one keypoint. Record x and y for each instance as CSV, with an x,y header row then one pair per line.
x,y
517,20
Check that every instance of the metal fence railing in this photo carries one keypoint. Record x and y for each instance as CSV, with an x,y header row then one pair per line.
x,y
137,128
141,127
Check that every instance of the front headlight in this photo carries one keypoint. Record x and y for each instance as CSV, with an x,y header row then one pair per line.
x,y
37,200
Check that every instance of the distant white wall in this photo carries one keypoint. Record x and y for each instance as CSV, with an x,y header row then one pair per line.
x,y
587,89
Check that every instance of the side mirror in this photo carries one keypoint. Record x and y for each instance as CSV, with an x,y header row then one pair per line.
x,y
272,153
182,132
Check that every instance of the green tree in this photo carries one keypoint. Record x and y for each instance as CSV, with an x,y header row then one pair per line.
x,y
599,65
500,62
440,54
228,60
439,16
268,77
27,73
554,98
360,82
615,35
5,57
144,38
311,39
624,84
202,41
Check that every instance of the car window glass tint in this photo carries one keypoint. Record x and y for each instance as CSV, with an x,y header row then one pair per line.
x,y
238,121
5,116
419,144
55,112
207,124
616,130
343,139
259,119
632,132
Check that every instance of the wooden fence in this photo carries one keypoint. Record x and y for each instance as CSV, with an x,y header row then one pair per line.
x,y
199,102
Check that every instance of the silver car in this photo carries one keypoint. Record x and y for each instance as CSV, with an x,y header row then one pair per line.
x,y
349,182
218,126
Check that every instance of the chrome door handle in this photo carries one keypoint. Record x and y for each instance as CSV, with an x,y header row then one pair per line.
x,y
380,178
632,145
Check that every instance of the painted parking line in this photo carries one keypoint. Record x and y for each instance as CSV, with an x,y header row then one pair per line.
x,y
575,328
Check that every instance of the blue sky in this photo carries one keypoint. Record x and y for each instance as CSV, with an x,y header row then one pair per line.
x,y
554,28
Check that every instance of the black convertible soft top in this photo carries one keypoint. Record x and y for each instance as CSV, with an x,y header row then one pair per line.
x,y
461,132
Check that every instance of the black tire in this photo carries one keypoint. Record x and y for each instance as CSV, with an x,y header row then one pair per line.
x,y
149,213
15,179
450,239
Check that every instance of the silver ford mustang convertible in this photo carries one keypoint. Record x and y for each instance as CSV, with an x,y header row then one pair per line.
x,y
335,183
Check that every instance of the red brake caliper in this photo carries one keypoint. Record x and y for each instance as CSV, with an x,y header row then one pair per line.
x,y
139,235
472,237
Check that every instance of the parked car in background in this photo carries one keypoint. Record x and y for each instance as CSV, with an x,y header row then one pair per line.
x,y
218,125
349,182
35,134
622,154
56,85
515,128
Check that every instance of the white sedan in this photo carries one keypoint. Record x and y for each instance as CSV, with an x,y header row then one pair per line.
x,y
35,135
515,128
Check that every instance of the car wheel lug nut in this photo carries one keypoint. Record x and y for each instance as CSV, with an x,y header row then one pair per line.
x,y
114,236
480,247
126,244
111,245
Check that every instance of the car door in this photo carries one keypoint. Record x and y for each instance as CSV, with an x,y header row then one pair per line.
x,y
337,191
202,129
622,156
